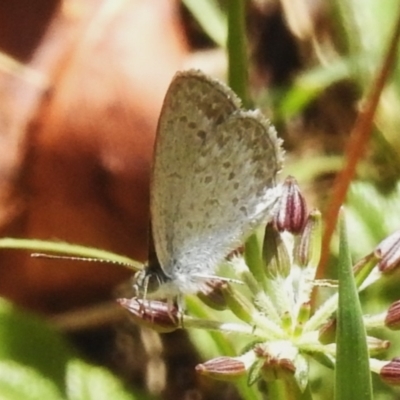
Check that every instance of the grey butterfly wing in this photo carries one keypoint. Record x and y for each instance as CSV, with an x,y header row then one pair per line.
x,y
213,174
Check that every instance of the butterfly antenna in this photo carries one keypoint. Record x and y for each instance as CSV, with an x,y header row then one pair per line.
x,y
75,258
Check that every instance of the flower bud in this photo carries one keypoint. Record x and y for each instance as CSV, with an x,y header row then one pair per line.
x,y
156,315
222,368
275,254
292,210
238,303
327,333
389,250
376,346
302,317
273,367
277,369
308,251
390,373
363,268
211,294
392,320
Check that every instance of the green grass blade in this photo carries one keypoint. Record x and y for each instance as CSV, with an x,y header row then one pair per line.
x,y
353,377
210,17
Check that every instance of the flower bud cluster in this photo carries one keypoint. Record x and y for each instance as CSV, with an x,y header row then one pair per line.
x,y
273,304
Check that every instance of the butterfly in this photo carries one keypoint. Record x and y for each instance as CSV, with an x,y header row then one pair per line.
x,y
213,182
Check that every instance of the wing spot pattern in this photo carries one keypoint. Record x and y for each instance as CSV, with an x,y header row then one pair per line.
x,y
202,135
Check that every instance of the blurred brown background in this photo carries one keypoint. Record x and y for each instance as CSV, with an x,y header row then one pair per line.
x,y
76,132
78,118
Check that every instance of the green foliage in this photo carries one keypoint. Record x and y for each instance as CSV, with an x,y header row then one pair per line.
x,y
211,19
366,221
24,339
353,377
18,381
36,363
86,382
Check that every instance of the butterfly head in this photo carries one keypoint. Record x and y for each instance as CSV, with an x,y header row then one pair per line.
x,y
152,283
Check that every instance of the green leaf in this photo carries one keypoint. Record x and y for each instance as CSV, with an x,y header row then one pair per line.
x,y
210,17
36,364
310,84
86,382
28,341
255,372
365,217
21,382
353,377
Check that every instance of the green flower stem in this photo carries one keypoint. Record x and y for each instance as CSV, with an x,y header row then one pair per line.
x,y
277,390
362,270
229,327
237,51
253,258
374,321
67,249
376,365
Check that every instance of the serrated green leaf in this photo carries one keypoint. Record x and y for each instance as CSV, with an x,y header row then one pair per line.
x,y
301,374
353,377
254,372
